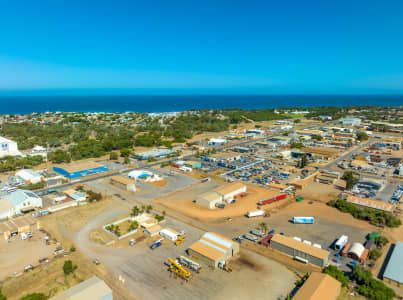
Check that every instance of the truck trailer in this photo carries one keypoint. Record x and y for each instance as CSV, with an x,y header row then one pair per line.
x,y
255,213
341,242
303,220
272,199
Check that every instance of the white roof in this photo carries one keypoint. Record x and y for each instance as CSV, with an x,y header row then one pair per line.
x,y
357,249
27,174
4,140
217,140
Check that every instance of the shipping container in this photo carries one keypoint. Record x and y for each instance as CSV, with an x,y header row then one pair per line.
x,y
255,213
341,242
303,220
345,250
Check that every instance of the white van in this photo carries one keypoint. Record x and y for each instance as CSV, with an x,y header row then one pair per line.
x,y
23,236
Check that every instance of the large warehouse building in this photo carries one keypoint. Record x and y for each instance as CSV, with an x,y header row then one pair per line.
x,y
299,250
80,169
394,272
18,202
319,286
29,176
212,249
222,194
8,148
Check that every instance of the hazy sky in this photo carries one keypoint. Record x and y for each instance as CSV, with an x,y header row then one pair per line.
x,y
344,46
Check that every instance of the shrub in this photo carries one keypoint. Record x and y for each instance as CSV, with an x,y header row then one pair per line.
x,y
369,287
375,217
35,296
68,267
336,274
374,254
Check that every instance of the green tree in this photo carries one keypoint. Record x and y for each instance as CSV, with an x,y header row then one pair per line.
x,y
68,267
351,179
263,227
374,254
113,156
2,297
35,296
381,241
336,274
362,136
125,152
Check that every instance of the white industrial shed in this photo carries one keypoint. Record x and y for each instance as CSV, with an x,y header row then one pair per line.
x,y
217,142
29,176
229,191
209,199
356,250
212,249
17,202
8,148
136,174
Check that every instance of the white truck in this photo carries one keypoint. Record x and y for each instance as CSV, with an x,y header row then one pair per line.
x,y
255,213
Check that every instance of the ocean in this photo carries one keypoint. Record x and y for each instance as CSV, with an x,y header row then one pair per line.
x,y
27,104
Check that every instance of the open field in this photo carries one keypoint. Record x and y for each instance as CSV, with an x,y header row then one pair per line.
x,y
182,202
17,254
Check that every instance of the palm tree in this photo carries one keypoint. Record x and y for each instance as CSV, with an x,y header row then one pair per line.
x,y
135,211
263,226
143,208
149,208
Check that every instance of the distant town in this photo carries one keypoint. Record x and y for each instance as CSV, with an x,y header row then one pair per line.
x,y
203,204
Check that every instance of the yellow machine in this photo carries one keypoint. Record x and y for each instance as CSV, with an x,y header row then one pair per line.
x,y
180,240
177,269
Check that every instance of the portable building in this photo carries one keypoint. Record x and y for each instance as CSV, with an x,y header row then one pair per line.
x,y
152,230
341,242
169,234
345,250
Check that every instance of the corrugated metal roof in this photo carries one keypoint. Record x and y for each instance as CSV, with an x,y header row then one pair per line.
x,y
19,196
206,251
290,242
217,239
319,286
212,246
394,270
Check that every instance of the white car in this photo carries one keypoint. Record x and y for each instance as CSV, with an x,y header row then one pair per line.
x,y
23,236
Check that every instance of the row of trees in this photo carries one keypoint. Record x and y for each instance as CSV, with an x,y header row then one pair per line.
x,y
375,217
12,163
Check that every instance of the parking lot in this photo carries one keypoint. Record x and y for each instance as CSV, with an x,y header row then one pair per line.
x,y
325,231
147,191
18,253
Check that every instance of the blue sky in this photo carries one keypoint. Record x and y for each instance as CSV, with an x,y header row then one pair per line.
x,y
160,46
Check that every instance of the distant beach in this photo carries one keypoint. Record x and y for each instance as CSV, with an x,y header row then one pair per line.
x,y
27,104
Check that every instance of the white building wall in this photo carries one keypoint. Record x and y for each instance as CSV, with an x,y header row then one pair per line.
x,y
230,196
